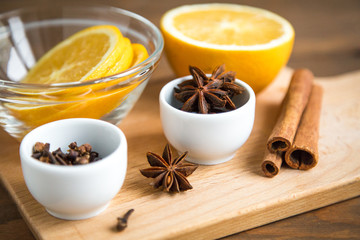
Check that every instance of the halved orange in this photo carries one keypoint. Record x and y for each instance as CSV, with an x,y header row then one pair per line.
x,y
253,42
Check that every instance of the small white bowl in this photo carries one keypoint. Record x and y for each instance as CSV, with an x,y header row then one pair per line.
x,y
209,138
82,191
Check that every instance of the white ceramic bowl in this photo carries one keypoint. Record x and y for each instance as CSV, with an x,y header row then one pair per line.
x,y
209,138
82,191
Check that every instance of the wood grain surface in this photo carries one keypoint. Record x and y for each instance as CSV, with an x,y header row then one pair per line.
x,y
327,42
227,198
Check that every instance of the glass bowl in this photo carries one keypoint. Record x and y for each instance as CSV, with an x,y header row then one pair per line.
x,y
27,34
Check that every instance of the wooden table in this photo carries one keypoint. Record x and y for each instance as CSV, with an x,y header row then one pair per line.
x,y
327,42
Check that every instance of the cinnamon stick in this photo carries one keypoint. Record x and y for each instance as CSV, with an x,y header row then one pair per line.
x,y
303,154
292,108
271,163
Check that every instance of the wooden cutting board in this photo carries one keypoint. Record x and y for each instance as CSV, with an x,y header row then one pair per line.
x,y
227,198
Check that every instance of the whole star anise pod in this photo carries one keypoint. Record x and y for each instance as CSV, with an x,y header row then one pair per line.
x,y
205,94
169,173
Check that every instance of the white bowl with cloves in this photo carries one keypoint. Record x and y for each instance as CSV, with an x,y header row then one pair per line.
x,y
210,116
80,182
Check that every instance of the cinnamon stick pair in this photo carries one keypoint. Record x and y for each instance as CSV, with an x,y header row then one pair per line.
x,y
296,132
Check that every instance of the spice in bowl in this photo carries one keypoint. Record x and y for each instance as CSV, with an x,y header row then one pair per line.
x,y
75,192
204,94
209,138
76,155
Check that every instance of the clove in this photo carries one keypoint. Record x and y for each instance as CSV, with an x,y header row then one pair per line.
x,y
122,221
76,155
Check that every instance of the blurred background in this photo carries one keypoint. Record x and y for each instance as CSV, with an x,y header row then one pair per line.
x,y
327,31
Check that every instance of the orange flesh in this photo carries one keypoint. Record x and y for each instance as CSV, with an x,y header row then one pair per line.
x,y
225,27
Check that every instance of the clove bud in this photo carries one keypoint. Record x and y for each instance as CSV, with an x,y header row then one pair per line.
x,y
122,221
76,155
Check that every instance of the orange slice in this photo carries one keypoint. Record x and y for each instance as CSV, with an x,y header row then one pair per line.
x,y
125,59
140,54
88,54
94,106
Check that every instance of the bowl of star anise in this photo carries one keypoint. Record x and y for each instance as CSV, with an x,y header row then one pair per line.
x,y
210,116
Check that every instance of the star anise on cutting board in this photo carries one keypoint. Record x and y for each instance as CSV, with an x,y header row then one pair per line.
x,y
205,94
168,173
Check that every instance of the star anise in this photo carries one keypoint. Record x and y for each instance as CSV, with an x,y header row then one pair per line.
x,y
205,94
169,173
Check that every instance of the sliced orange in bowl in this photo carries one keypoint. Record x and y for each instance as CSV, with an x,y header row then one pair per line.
x,y
253,42
88,54
93,53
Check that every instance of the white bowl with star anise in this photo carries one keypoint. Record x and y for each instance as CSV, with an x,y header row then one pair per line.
x,y
210,116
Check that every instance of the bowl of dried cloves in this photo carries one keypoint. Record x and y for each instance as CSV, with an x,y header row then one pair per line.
x,y
210,116
74,167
